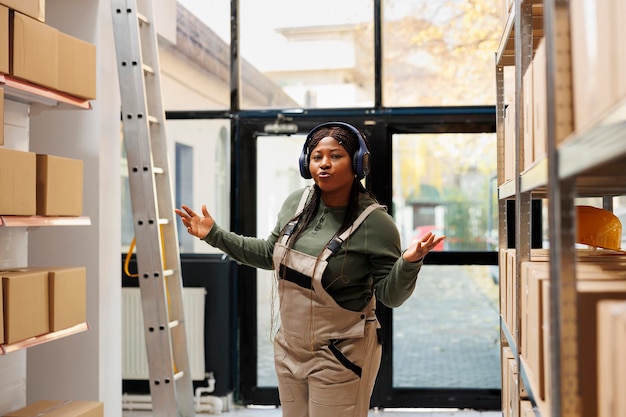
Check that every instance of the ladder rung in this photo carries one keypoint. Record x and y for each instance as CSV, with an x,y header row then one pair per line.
x,y
142,18
148,69
136,32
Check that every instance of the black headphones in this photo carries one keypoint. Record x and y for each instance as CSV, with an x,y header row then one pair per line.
x,y
360,162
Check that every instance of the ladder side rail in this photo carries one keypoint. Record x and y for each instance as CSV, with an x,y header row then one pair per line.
x,y
146,220
168,229
140,176
161,160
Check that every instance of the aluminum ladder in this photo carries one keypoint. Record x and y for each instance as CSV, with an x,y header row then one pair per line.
x,y
158,258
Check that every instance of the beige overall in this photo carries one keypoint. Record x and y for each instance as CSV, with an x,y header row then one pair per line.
x,y
326,357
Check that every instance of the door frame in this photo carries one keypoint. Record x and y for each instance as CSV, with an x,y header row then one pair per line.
x,y
379,127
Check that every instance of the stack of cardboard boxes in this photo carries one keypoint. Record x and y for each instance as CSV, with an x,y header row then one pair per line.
x,y
38,184
35,53
39,301
601,278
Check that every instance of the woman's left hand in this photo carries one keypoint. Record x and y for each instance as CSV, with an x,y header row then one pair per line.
x,y
417,250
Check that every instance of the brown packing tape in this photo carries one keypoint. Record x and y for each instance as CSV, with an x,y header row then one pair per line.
x,y
52,408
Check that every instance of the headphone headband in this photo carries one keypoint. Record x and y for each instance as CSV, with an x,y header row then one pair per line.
x,y
360,161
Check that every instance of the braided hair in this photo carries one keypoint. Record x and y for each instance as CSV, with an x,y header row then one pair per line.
x,y
350,143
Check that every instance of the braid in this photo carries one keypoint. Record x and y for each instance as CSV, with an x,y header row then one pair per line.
x,y
305,216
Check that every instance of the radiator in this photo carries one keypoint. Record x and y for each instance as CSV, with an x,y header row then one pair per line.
x,y
134,357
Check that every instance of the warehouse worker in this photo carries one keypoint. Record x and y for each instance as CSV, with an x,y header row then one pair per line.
x,y
335,251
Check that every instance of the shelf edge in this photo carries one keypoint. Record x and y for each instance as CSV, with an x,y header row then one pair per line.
x,y
36,221
32,93
48,337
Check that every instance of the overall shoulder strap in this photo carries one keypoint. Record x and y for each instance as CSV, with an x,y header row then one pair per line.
x,y
334,245
305,196
292,224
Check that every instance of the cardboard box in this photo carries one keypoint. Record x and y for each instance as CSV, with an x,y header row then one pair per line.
x,y
609,351
594,62
51,408
503,282
18,187
59,186
618,15
1,316
509,141
540,102
1,116
35,56
526,409
4,40
533,275
68,297
25,299
619,367
589,294
513,386
546,330
506,357
527,111
512,295
77,67
33,8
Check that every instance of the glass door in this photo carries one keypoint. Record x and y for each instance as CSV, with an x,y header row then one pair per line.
x,y
277,176
442,346
445,339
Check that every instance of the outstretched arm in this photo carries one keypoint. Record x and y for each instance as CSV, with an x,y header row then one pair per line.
x,y
198,226
419,249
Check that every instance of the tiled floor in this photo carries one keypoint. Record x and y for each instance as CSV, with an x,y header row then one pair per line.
x,y
275,412
381,413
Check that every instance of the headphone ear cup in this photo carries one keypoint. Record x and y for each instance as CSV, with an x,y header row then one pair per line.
x,y
304,163
361,162
365,162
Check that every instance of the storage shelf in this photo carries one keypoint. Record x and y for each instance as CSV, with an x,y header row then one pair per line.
x,y
535,178
595,157
523,367
48,337
505,54
506,190
599,151
28,93
36,221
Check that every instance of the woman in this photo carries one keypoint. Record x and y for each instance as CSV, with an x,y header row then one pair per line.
x,y
335,251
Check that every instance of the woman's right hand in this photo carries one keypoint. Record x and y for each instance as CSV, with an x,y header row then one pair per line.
x,y
195,224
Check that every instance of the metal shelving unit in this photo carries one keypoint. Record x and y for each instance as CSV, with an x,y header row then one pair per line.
x,y
44,338
585,163
24,92
527,22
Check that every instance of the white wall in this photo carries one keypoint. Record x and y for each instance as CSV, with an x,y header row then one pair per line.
x,y
88,365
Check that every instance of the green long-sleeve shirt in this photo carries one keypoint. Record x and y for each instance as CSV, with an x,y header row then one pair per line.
x,y
369,259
